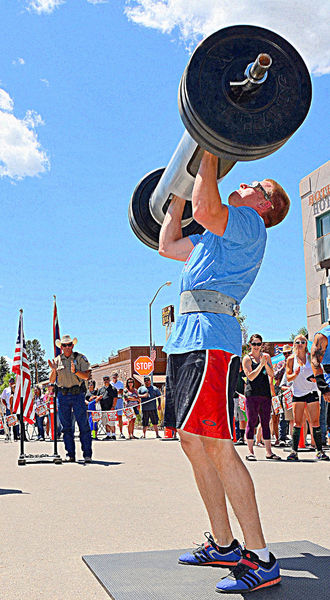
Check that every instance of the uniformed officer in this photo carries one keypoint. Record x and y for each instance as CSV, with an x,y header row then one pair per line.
x,y
70,369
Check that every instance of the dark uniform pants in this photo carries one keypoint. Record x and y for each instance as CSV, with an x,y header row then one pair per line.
x,y
76,403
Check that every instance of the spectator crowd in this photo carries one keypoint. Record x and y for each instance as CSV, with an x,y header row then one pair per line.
x,y
274,407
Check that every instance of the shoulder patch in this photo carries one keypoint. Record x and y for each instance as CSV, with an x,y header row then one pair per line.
x,y
84,357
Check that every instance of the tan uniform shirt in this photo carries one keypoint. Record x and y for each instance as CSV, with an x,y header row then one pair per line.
x,y
63,369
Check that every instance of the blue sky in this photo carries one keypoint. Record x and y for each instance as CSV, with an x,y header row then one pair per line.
x,y
88,105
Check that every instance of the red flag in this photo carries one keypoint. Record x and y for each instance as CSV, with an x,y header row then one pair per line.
x,y
23,379
56,330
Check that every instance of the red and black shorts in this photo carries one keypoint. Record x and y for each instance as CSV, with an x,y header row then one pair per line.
x,y
200,386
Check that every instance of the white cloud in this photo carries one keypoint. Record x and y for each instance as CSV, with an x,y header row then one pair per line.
x,y
303,24
9,361
21,154
43,6
98,1
18,61
45,81
6,103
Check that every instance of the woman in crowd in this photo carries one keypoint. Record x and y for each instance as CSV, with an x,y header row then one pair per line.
x,y
39,402
90,397
304,389
131,398
259,389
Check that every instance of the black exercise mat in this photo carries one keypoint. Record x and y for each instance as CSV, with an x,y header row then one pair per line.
x,y
158,576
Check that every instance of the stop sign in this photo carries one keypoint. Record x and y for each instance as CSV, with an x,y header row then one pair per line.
x,y
144,365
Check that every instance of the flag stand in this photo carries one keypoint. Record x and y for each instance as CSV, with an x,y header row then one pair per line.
x,y
31,458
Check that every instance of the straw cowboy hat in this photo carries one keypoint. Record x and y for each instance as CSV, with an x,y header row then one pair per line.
x,y
65,339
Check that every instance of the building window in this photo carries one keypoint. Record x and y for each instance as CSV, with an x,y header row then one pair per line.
x,y
323,224
324,306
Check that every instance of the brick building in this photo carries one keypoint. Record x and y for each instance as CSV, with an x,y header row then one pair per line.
x,y
123,364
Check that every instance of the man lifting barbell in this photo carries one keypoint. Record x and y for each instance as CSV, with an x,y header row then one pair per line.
x,y
220,267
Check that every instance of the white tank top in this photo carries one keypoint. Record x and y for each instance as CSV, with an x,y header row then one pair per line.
x,y
301,386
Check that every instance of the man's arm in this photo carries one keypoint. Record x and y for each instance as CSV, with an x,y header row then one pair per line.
x,y
171,242
317,353
208,209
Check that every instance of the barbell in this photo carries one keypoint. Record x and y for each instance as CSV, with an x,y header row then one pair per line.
x,y
243,94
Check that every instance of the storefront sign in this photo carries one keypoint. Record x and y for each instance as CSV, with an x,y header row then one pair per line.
x,y
320,200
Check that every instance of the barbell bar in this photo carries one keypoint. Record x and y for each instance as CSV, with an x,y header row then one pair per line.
x,y
243,94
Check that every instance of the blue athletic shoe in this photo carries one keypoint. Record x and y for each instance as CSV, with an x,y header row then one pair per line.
x,y
250,574
212,555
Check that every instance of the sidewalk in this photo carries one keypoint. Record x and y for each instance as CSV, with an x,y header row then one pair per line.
x,y
138,495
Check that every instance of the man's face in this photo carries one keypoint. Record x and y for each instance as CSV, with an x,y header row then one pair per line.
x,y
286,355
67,349
250,196
12,386
147,382
106,381
114,378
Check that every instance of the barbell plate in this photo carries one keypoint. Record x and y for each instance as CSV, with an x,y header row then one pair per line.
x,y
140,218
255,124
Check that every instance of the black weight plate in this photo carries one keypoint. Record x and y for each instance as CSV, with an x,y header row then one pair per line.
x,y
140,218
256,124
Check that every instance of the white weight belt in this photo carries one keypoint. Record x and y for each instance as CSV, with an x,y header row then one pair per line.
x,y
192,301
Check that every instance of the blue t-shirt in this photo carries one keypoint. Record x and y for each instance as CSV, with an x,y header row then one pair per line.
x,y
227,264
326,331
153,392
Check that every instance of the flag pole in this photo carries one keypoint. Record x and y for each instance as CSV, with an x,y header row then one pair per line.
x,y
21,416
55,398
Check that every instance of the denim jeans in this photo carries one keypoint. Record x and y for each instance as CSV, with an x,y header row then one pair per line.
x,y
74,403
324,406
40,425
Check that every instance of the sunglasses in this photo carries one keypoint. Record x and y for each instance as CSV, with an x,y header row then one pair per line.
x,y
106,379
256,343
302,342
66,345
256,185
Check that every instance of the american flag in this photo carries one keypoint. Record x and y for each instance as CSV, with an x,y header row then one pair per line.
x,y
278,349
56,330
20,357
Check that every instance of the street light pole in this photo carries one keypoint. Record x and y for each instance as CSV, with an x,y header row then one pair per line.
x,y
150,324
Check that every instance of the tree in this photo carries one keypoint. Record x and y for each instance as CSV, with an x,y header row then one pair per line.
x,y
38,366
4,368
302,331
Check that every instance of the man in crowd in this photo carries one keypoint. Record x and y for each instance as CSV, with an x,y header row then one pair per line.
x,y
119,385
72,369
203,362
149,409
7,402
320,360
107,396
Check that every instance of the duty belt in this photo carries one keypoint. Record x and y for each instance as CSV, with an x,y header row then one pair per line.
x,y
192,301
75,389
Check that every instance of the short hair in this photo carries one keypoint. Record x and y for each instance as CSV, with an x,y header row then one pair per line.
x,y
92,382
255,335
281,204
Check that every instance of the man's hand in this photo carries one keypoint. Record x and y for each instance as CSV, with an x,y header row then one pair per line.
x,y
73,367
52,364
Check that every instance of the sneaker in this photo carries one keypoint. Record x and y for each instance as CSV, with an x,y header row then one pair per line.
x,y
250,574
122,437
282,443
240,442
107,438
322,456
70,459
210,554
293,456
113,437
87,459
